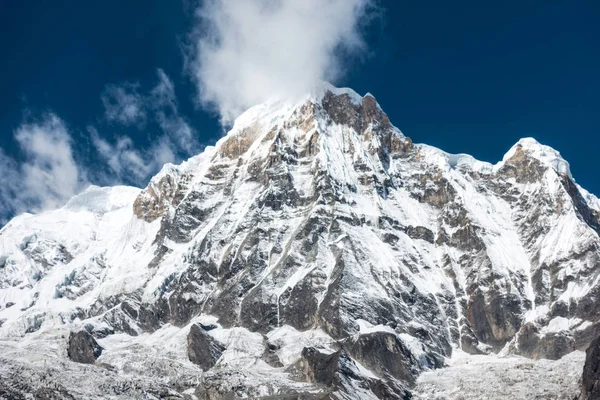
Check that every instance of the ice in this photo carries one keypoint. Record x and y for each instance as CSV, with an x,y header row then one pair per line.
x,y
491,377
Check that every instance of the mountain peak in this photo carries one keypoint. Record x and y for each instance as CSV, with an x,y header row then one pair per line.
x,y
314,240
545,154
276,107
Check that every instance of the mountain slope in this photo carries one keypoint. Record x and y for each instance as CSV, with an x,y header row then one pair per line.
x,y
322,252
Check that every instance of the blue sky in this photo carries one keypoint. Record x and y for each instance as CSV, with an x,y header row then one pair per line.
x,y
112,87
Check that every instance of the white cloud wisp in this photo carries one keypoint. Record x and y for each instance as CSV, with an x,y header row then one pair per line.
x,y
123,104
48,175
128,162
247,51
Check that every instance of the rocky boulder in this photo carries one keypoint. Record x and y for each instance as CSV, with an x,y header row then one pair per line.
x,y
383,353
534,344
203,349
340,377
83,348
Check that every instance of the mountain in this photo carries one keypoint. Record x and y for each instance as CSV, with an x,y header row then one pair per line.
x,y
314,253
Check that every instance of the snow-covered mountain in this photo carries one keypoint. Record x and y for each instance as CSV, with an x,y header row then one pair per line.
x,y
315,252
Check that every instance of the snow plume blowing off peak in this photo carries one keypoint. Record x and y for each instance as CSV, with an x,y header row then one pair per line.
x,y
249,51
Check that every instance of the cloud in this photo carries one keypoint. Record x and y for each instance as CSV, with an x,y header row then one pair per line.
x,y
48,174
174,126
246,51
10,187
123,104
128,162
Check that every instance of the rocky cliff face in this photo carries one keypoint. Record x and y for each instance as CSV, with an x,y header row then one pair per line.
x,y
323,253
590,380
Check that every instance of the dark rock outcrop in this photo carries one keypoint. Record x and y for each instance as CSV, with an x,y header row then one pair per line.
x,y
83,348
338,373
203,349
590,380
270,355
317,366
553,345
383,353
494,316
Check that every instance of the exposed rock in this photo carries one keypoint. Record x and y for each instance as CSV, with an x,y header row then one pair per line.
x,y
383,353
494,316
590,380
590,216
203,349
237,145
338,373
468,341
207,327
523,167
319,367
551,345
83,348
270,355
161,194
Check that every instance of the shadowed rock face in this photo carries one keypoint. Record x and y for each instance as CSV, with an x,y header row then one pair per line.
x,y
320,367
383,353
83,348
590,380
534,344
337,373
203,350
495,317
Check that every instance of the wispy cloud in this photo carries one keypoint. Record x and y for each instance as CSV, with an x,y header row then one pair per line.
x,y
174,126
124,104
9,204
48,175
128,163
247,51
175,138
